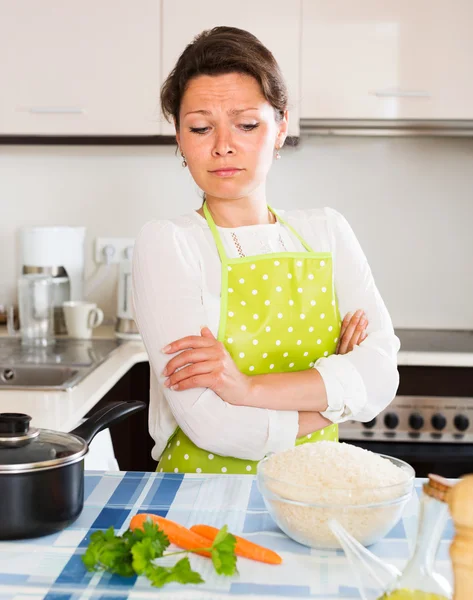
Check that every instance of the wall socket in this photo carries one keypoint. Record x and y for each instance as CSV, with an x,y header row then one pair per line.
x,y
116,246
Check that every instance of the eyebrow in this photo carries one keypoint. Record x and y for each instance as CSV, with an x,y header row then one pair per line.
x,y
233,111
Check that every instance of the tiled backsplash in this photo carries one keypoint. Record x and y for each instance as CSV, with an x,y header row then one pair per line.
x,y
409,200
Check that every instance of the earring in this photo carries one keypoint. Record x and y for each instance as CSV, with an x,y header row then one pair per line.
x,y
277,156
184,161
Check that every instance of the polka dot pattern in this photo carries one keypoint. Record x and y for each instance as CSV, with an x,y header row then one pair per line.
x,y
278,315
280,303
186,457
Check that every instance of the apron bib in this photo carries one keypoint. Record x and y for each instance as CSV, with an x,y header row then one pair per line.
x,y
278,314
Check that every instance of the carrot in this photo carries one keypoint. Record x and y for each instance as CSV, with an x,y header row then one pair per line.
x,y
177,534
243,547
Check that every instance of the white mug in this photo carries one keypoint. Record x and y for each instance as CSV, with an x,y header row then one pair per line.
x,y
81,318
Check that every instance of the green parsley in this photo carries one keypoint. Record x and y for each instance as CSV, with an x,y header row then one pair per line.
x,y
223,552
136,553
181,572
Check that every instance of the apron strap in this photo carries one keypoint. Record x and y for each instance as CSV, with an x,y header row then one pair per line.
x,y
216,235
218,241
302,241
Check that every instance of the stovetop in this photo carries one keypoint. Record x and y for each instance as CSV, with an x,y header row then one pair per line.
x,y
435,340
428,418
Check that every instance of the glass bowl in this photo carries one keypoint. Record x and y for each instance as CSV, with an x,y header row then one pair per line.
x,y
368,514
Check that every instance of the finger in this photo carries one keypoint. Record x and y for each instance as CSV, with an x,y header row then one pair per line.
x,y
349,331
192,376
191,341
355,340
345,324
340,337
205,332
356,337
189,357
346,320
364,333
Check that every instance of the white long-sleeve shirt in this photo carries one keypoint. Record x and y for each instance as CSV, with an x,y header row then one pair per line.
x,y
176,290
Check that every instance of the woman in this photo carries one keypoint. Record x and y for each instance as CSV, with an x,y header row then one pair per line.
x,y
238,304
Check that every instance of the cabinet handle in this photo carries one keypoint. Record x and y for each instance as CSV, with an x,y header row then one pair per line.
x,y
401,93
56,110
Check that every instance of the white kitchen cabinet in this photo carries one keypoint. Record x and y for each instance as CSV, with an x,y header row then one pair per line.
x,y
276,23
365,59
101,456
79,68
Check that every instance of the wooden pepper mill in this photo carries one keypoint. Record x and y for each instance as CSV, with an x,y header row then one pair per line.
x,y
460,502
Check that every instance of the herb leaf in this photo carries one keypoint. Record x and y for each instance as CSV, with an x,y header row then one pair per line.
x,y
223,552
134,553
108,552
181,572
143,553
150,531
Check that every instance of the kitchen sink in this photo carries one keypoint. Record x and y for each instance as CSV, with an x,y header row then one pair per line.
x,y
58,367
39,377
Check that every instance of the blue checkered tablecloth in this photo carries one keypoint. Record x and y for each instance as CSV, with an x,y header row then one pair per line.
x,y
51,568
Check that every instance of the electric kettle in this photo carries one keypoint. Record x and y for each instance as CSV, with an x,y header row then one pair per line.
x,y
125,327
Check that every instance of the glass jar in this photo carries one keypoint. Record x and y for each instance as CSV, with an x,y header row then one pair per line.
x,y
419,581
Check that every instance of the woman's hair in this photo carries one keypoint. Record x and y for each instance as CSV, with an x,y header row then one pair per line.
x,y
224,50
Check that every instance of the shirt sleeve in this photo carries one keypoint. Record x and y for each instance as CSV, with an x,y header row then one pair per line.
x,y
362,383
167,300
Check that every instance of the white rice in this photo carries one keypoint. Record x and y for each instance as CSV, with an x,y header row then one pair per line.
x,y
334,477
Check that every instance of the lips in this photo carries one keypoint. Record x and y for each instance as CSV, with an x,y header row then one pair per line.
x,y
226,172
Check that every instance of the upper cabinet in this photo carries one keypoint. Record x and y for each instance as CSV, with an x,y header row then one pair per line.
x,y
91,68
276,23
79,68
397,59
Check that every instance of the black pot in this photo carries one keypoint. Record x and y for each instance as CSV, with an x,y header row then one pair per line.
x,y
42,471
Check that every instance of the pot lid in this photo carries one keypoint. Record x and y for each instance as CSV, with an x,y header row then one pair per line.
x,y
23,448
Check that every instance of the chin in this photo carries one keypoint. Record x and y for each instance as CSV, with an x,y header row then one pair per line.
x,y
228,191
229,195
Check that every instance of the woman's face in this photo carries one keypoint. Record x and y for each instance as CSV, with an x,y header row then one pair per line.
x,y
226,123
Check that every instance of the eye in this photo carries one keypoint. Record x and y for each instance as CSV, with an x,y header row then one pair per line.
x,y
249,126
199,130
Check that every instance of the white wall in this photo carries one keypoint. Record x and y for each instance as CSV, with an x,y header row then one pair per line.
x,y
409,200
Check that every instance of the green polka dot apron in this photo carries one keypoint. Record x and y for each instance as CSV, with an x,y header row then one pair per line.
x,y
278,314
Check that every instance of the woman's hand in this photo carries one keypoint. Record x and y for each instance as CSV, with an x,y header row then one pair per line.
x,y
310,422
205,362
353,332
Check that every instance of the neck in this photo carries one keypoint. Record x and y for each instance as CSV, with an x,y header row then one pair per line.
x,y
239,212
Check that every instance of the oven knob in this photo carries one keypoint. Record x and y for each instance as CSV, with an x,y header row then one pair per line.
x,y
416,421
439,422
461,422
370,424
391,420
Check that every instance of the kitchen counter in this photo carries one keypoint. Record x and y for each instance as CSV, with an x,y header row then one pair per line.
x,y
51,567
435,347
63,410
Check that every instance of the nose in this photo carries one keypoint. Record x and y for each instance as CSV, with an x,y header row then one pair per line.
x,y
223,145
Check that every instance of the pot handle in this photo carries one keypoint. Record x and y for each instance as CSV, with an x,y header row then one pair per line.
x,y
110,414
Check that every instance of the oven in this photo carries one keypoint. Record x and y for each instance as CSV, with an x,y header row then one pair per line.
x,y
429,424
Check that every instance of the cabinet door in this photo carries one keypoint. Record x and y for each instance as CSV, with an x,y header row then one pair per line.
x,y
276,23
397,59
131,441
79,68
